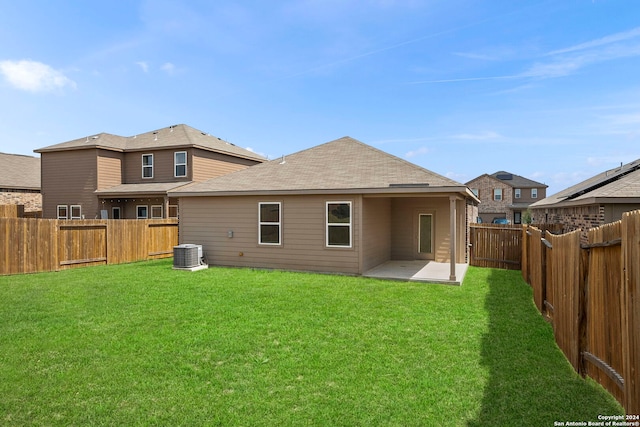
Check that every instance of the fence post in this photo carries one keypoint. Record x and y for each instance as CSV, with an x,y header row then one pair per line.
x,y
631,308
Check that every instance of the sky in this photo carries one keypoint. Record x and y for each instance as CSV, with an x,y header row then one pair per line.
x,y
549,90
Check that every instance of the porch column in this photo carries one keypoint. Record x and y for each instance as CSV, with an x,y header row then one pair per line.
x,y
454,238
166,206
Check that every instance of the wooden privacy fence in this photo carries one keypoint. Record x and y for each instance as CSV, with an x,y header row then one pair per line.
x,y
591,295
496,246
37,245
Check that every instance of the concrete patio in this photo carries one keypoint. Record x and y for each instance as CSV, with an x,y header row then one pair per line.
x,y
420,271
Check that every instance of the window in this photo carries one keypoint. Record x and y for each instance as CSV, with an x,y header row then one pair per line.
x,y
142,212
115,212
534,193
518,193
475,192
517,217
339,224
497,194
156,211
173,211
269,223
147,165
62,212
180,164
76,212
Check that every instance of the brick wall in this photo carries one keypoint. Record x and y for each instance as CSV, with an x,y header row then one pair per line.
x,y
485,186
32,201
573,218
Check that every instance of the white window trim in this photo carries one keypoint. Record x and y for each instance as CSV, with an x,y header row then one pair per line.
x,y
173,207
156,207
518,193
176,164
341,224
476,192
147,166
66,209
534,193
142,206
71,208
261,223
495,194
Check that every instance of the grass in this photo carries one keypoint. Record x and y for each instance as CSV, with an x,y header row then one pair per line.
x,y
142,344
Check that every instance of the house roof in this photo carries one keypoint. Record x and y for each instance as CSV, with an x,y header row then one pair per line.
x,y
344,165
19,172
621,184
176,136
512,180
138,189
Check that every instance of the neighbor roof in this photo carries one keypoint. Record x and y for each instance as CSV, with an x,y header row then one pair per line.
x,y
621,184
343,165
176,136
512,180
19,172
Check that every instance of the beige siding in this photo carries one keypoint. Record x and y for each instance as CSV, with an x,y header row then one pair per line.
x,y
208,165
404,228
162,166
109,169
208,221
376,234
69,178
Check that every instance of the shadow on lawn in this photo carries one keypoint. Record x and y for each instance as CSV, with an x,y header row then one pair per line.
x,y
530,382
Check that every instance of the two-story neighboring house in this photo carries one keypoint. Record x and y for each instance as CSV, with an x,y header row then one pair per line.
x,y
505,195
111,176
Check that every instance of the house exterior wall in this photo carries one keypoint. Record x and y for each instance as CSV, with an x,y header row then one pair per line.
x,y
69,178
376,232
405,213
208,220
109,165
32,201
207,164
163,167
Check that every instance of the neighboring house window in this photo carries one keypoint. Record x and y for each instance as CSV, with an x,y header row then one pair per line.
x,y
173,211
269,223
142,212
518,193
62,212
534,193
115,213
475,192
156,211
497,194
517,217
180,164
147,165
339,224
76,212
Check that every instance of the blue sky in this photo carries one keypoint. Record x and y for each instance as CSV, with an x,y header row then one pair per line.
x,y
549,90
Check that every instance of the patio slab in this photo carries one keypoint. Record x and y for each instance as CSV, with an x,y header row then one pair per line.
x,y
420,270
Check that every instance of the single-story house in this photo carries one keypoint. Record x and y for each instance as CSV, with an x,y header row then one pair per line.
x,y
20,183
340,207
598,200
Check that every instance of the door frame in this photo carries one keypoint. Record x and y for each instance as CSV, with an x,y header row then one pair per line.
x,y
416,232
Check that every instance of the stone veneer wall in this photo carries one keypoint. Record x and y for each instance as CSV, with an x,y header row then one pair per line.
x,y
32,201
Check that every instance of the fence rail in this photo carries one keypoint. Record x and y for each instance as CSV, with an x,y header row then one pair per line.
x,y
38,245
591,295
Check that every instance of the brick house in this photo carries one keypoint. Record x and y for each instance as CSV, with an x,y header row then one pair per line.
x,y
505,195
20,182
598,200
111,176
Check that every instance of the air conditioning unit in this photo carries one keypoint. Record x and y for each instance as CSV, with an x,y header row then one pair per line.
x,y
187,256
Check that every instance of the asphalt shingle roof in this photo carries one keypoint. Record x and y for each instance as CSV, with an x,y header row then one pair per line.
x,y
19,172
515,181
343,164
622,182
169,137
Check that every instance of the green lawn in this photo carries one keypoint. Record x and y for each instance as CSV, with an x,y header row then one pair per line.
x,y
142,344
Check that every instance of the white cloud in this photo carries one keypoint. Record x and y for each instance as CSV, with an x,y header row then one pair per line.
x,y
143,65
419,152
169,68
482,136
34,76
